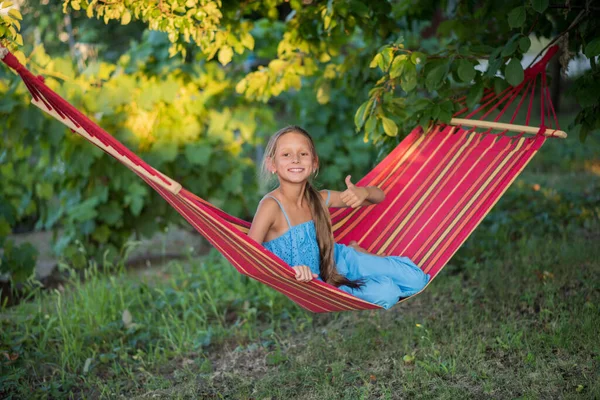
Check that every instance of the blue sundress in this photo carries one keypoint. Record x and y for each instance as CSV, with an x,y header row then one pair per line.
x,y
386,279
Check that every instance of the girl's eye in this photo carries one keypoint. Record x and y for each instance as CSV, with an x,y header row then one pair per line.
x,y
286,154
304,154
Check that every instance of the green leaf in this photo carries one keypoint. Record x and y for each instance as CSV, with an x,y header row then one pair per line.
x,y
516,17
524,44
389,126
13,12
370,125
514,72
466,71
499,85
445,116
361,114
164,152
135,197
418,58
475,94
247,40
540,5
435,111
387,54
323,93
397,66
126,18
510,48
198,154
111,212
326,22
495,62
435,76
592,49
234,182
375,60
101,234
225,55
84,211
409,78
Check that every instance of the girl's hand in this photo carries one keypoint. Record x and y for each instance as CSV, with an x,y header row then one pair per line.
x,y
354,196
304,274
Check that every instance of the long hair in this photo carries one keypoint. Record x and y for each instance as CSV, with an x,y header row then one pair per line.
x,y
319,211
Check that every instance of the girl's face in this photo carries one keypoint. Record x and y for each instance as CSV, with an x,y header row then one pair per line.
x,y
293,160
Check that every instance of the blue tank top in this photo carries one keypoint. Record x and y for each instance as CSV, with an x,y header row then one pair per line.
x,y
298,245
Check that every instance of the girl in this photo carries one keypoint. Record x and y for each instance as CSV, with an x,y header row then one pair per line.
x,y
293,222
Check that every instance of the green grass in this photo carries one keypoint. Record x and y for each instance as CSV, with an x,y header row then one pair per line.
x,y
127,325
513,315
523,324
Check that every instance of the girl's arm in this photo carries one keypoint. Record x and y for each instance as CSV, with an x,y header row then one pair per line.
x,y
263,219
354,196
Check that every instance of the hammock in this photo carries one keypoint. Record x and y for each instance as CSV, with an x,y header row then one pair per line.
x,y
439,185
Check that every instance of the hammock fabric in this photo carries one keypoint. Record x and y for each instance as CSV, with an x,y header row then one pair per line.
x,y
439,185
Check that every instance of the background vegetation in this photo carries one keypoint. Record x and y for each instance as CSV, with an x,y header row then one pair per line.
x,y
195,87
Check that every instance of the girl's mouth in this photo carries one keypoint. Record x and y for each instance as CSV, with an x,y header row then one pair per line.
x,y
296,169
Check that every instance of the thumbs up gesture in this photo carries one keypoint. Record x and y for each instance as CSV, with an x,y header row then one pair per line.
x,y
353,196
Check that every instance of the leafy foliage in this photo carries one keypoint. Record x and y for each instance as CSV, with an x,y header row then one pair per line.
x,y
326,40
167,117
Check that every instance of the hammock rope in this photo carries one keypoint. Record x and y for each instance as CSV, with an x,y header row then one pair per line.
x,y
439,185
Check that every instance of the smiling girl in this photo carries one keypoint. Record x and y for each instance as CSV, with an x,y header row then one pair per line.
x,y
293,222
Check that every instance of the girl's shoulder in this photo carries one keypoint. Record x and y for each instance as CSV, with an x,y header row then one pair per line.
x,y
264,219
269,198
270,206
268,201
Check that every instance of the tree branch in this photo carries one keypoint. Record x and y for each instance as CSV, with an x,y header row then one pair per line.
x,y
580,17
558,6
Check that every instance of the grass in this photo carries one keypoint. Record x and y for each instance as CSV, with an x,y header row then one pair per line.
x,y
514,315
520,324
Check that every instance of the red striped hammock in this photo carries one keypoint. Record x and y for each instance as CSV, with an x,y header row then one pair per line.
x,y
438,186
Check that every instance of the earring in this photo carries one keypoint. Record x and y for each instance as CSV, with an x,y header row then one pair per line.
x,y
273,172
316,173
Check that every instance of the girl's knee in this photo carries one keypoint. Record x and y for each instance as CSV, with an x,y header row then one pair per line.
x,y
381,290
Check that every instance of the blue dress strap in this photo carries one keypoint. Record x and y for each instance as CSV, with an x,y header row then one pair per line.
x,y
328,196
282,209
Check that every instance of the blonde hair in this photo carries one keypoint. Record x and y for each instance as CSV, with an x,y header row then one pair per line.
x,y
318,209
